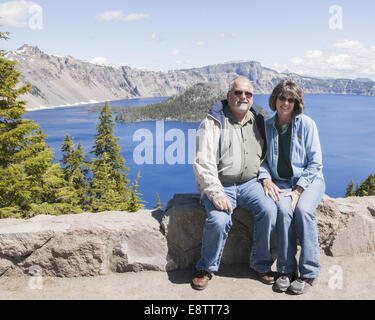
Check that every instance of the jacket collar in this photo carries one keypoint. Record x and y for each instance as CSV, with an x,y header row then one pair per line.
x,y
272,121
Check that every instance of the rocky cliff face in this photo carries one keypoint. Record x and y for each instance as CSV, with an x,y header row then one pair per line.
x,y
66,80
90,244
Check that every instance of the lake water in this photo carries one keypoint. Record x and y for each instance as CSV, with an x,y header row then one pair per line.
x,y
346,127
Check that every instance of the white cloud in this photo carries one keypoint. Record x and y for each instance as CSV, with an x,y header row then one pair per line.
x,y
175,52
297,60
100,60
343,59
118,15
313,54
340,62
18,13
347,44
200,44
153,36
226,35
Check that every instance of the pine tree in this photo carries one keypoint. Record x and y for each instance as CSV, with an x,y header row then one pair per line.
x,y
135,202
110,168
28,177
56,197
366,188
349,189
75,171
159,205
104,195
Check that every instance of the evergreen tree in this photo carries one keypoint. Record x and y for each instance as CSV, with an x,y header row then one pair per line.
x,y
56,197
104,194
114,163
28,177
75,171
366,188
349,189
135,202
159,205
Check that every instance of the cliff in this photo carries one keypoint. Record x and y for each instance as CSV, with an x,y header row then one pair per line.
x,y
90,244
65,80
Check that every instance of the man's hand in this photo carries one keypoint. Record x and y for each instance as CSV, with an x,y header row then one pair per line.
x,y
223,203
271,190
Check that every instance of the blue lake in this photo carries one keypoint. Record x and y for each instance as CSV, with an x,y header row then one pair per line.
x,y
346,127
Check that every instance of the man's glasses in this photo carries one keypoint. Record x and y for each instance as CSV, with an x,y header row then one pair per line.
x,y
240,93
283,99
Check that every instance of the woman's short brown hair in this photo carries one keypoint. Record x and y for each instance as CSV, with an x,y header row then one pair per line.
x,y
291,88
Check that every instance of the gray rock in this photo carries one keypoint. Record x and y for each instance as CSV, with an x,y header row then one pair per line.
x,y
84,244
183,224
89,244
346,226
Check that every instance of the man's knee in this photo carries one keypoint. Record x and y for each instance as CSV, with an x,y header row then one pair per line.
x,y
267,210
219,220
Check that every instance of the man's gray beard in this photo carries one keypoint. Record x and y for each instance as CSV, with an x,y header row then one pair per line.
x,y
242,108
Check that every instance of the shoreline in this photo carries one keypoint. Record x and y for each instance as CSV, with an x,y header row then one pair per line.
x,y
79,104
83,103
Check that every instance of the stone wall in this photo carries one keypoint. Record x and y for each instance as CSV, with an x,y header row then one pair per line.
x,y
89,244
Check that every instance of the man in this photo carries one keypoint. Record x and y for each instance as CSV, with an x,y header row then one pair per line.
x,y
230,147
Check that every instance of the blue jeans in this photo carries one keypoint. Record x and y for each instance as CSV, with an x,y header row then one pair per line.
x,y
249,195
302,223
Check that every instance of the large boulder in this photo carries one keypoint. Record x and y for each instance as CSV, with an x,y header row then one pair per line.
x,y
183,223
90,244
346,226
83,244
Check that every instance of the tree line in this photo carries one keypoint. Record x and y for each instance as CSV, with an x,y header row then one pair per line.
x,y
31,184
366,188
191,105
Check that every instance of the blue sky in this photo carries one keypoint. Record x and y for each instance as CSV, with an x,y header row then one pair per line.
x,y
301,36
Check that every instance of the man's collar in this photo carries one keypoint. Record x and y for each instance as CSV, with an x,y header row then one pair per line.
x,y
232,118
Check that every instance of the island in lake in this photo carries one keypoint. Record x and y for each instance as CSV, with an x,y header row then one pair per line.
x,y
190,106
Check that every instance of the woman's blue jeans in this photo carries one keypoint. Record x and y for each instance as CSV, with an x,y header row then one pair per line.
x,y
301,223
249,195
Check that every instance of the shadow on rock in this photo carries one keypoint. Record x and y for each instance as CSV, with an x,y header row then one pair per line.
x,y
182,276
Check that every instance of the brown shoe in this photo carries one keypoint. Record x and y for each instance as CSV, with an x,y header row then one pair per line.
x,y
201,279
267,278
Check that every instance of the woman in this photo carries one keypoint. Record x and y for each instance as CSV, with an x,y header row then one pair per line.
x,y
292,176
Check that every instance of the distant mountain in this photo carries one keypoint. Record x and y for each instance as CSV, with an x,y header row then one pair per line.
x,y
364,80
65,80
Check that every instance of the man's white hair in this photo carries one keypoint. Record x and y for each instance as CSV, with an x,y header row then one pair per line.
x,y
239,78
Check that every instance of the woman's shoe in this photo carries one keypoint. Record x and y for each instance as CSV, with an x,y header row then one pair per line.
x,y
283,282
301,285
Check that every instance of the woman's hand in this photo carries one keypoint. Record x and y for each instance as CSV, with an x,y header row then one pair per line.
x,y
295,195
271,190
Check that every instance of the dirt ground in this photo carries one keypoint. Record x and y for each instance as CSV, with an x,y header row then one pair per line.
x,y
341,278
